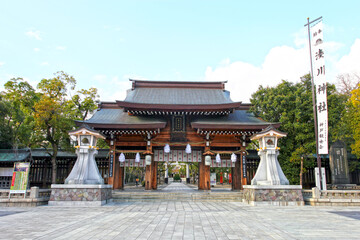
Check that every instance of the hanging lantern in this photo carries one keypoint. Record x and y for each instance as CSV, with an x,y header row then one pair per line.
x,y
148,160
233,157
137,157
188,149
207,160
122,158
167,148
218,159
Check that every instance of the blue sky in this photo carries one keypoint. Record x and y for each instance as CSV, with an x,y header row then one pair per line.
x,y
104,43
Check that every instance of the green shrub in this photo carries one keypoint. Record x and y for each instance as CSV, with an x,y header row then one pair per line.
x,y
177,177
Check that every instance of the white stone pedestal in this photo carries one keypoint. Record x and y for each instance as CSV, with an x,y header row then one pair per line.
x,y
73,195
280,195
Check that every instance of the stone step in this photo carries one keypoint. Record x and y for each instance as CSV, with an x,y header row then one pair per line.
x,y
145,196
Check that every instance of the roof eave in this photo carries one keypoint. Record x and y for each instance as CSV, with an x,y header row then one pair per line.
x,y
224,126
184,107
128,126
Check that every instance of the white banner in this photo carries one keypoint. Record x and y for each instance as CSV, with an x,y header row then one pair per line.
x,y
177,156
132,163
317,47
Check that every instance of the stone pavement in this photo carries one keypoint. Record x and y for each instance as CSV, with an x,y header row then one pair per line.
x,y
180,220
178,187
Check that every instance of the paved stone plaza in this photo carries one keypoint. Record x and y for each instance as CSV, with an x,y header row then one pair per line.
x,y
180,220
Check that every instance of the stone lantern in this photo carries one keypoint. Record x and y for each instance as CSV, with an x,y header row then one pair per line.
x,y
269,185
85,170
269,171
84,186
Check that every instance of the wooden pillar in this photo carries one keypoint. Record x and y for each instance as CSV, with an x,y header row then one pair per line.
x,y
151,176
154,166
118,179
204,175
236,175
148,177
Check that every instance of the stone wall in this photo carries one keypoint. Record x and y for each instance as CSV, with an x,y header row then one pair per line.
x,y
334,198
34,197
273,195
80,194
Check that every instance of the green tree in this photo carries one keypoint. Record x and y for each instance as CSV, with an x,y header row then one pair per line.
x,y
53,116
84,103
5,129
55,112
291,105
17,107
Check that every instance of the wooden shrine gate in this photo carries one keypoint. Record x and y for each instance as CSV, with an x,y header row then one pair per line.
x,y
155,114
196,156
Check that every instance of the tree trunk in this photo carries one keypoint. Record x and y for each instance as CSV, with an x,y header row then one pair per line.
x,y
54,165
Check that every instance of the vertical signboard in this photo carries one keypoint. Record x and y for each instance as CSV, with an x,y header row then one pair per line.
x,y
20,178
244,165
111,164
317,47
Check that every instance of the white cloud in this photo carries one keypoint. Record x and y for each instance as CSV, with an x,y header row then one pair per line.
x,y
350,62
33,34
44,64
115,87
281,63
301,38
36,49
2,63
100,78
61,48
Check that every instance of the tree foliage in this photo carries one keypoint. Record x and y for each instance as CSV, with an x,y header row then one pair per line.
x,y
354,119
44,117
17,106
291,105
52,114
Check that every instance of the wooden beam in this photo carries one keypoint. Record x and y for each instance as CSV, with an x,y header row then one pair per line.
x,y
127,144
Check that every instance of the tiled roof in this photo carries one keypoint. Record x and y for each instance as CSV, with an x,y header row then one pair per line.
x,y
9,155
119,117
238,118
178,96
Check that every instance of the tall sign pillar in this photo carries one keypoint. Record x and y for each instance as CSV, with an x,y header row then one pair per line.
x,y
112,160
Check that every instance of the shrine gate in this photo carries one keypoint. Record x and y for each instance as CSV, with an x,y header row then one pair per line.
x,y
159,113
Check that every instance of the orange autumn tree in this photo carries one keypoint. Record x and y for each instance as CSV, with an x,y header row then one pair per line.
x,y
354,119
